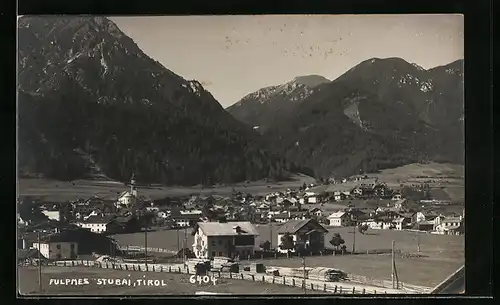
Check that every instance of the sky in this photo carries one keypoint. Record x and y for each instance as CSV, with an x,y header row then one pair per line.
x,y
232,56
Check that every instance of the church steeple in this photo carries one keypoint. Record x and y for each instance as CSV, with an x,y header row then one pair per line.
x,y
133,191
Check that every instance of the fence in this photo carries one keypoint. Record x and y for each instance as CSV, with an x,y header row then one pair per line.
x,y
387,284
312,285
150,249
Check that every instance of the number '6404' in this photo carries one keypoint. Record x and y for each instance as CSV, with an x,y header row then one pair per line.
x,y
193,279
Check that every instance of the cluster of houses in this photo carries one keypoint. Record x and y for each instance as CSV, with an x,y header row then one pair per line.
x,y
224,225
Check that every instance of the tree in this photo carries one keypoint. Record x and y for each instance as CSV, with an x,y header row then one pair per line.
x,y
337,240
266,246
362,228
287,243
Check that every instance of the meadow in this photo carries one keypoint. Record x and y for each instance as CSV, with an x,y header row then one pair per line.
x,y
440,255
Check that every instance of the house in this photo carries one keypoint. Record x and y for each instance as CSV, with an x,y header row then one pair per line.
x,y
228,239
27,255
281,217
57,246
448,225
52,214
417,217
127,199
298,214
402,223
379,223
187,219
97,224
307,234
397,196
339,219
424,226
316,212
357,215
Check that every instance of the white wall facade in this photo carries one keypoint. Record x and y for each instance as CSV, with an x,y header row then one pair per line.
x,y
58,250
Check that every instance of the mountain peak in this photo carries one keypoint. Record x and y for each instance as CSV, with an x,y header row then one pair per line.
x,y
310,80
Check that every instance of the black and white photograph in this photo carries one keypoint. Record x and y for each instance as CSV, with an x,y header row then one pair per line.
x,y
240,155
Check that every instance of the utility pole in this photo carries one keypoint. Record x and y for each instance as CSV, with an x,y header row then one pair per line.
x,y
146,245
178,248
271,234
304,269
39,263
392,265
184,246
418,241
354,239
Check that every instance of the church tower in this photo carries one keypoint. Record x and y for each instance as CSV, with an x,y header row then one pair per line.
x,y
133,191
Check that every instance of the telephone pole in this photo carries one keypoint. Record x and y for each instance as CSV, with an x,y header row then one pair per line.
x,y
184,246
392,265
304,269
418,241
271,234
146,245
354,239
39,263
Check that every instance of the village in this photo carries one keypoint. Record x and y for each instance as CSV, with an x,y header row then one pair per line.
x,y
221,231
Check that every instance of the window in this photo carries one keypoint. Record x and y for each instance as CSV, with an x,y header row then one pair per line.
x,y
220,242
213,243
213,253
58,246
72,246
220,253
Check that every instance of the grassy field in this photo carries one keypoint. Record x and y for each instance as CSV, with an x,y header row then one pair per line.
x,y
450,177
441,254
176,284
59,191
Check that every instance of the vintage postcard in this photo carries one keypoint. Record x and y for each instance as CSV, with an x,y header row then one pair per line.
x,y
233,155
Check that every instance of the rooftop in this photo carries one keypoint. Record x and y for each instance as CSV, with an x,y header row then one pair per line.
x,y
337,214
292,226
227,228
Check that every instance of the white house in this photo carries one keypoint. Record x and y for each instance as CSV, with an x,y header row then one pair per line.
x,y
56,247
229,239
52,214
127,198
448,225
402,223
96,224
339,219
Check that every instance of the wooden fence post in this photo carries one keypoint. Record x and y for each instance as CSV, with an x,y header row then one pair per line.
x,y
230,275
374,291
263,279
273,279
169,268
179,269
284,282
324,287
293,282
340,289
241,275
353,290
364,291
139,267
335,291
126,267
253,277
133,267
312,287
73,263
